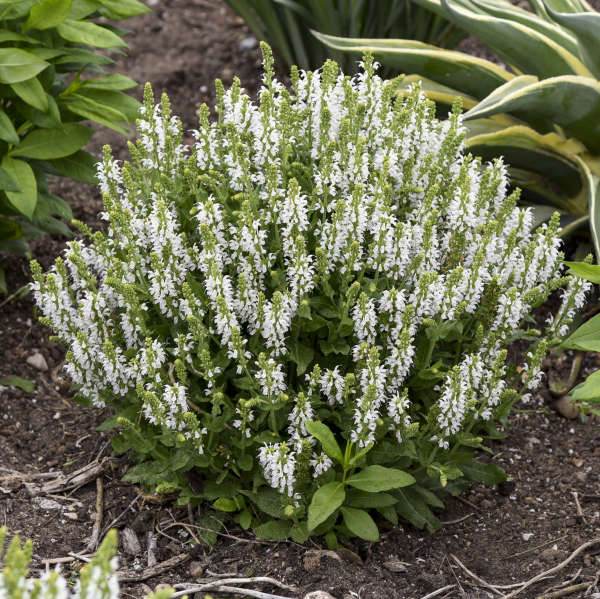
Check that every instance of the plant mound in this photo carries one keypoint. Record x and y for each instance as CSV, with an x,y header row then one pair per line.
x,y
305,314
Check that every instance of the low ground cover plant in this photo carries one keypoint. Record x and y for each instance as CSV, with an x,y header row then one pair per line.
x,y
541,110
303,317
97,580
47,49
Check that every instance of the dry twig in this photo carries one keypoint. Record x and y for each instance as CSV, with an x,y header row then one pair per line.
x,y
560,566
578,505
95,537
474,576
439,591
445,523
566,591
221,586
159,568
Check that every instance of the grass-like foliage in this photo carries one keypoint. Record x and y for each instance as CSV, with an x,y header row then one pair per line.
x,y
305,315
97,580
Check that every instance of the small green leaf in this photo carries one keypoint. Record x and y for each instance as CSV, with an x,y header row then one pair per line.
x,y
323,433
379,478
226,505
110,82
268,500
7,182
7,129
390,514
245,462
26,199
53,143
362,499
47,14
17,381
274,530
31,92
590,272
79,166
84,32
481,472
586,337
337,346
589,390
360,523
245,519
325,502
302,355
19,65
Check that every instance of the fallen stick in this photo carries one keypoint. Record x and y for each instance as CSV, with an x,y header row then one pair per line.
x,y
95,537
582,586
234,591
159,568
578,506
446,522
237,580
438,591
560,566
474,576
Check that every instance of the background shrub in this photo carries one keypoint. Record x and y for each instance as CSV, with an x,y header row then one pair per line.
x,y
45,49
305,315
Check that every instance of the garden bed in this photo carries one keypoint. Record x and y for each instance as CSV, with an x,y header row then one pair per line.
x,y
504,535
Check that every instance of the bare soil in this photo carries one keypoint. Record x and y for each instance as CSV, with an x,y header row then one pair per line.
x,y
504,535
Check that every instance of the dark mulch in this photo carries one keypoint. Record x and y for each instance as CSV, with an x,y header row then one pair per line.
x,y
504,535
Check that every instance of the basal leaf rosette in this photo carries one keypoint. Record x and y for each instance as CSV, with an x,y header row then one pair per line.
x,y
305,314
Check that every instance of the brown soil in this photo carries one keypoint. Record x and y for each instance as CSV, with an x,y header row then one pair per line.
x,y
504,535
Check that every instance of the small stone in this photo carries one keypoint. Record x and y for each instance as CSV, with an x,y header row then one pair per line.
x,y
318,595
47,504
131,544
565,407
248,43
393,565
71,515
38,361
196,569
527,535
578,462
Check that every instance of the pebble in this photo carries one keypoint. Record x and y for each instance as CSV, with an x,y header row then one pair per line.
x,y
196,570
248,43
46,504
565,407
71,515
318,595
527,535
131,544
38,361
394,565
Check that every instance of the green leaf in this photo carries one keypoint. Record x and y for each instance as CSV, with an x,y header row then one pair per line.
x,y
7,129
589,390
26,199
110,82
11,36
18,65
390,514
274,530
360,523
586,337
417,505
299,532
93,111
226,505
124,9
245,519
337,346
17,381
7,183
589,272
362,499
268,500
326,500
302,356
323,433
53,143
32,92
83,56
379,478
47,14
429,497
481,472
83,32
80,166
10,229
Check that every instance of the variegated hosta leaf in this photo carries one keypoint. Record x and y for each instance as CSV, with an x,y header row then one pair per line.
x,y
592,184
473,76
520,46
569,101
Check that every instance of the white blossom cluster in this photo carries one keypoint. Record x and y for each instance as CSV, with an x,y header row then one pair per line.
x,y
337,197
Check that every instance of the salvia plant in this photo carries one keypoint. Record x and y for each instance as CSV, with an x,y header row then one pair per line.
x,y
540,108
97,580
304,315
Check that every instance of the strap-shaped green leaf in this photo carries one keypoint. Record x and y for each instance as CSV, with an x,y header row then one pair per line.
x,y
586,28
379,478
323,433
569,101
7,129
592,185
473,76
518,45
19,65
